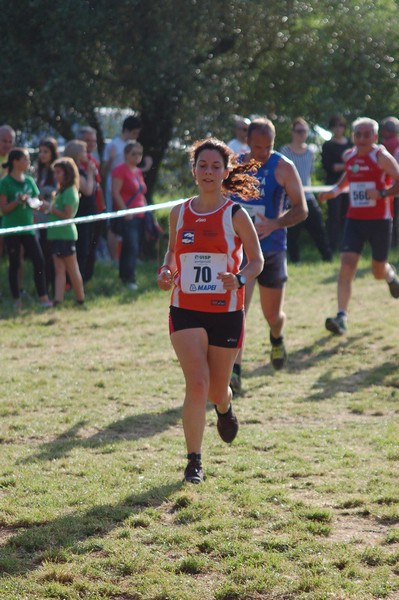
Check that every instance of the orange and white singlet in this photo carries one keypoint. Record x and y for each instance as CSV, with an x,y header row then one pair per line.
x,y
363,173
206,244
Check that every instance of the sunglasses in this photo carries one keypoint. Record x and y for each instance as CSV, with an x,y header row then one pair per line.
x,y
364,134
301,130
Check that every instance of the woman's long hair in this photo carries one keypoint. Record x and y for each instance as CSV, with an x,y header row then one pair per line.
x,y
241,179
71,172
52,145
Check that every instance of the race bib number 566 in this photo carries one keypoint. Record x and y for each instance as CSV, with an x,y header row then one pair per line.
x,y
199,272
358,194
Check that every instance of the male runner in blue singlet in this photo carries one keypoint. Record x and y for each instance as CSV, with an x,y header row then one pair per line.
x,y
272,214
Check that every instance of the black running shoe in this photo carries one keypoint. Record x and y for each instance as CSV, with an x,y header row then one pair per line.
x,y
194,472
227,425
394,285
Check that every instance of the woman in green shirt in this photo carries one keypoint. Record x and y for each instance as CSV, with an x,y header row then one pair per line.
x,y
18,193
63,238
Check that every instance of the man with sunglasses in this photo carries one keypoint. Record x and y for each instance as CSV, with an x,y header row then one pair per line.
x,y
368,168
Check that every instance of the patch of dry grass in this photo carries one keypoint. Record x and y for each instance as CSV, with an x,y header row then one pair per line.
x,y
305,503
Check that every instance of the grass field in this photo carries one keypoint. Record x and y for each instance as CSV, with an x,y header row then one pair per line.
x,y
304,504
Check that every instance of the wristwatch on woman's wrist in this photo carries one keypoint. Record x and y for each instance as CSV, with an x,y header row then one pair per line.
x,y
383,193
242,280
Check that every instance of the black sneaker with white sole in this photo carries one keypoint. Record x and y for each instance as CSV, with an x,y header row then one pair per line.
x,y
194,472
394,285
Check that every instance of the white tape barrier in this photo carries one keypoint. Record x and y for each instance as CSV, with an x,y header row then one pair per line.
x,y
317,188
97,217
120,213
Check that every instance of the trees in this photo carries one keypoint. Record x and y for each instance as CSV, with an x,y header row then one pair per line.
x,y
187,65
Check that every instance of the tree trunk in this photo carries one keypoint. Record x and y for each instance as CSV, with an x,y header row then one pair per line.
x,y
156,133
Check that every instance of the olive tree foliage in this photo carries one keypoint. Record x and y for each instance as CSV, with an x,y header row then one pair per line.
x,y
187,65
54,68
328,57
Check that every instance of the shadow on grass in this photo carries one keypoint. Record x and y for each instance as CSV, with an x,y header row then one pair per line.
x,y
328,385
144,425
360,273
308,356
25,551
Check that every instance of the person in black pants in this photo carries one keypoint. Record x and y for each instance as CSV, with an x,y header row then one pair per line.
x,y
303,158
18,192
77,150
331,158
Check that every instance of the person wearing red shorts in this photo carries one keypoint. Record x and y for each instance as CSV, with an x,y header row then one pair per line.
x,y
207,236
368,168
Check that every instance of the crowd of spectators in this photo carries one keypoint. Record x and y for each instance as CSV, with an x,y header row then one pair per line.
x,y
80,185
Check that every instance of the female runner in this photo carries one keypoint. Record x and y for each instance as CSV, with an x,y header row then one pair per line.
x,y
207,236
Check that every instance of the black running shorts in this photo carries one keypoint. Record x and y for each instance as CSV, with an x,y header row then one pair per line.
x,y
377,232
224,329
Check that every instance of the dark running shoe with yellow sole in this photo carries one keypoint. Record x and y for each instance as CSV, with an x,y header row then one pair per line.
x,y
235,383
337,325
278,356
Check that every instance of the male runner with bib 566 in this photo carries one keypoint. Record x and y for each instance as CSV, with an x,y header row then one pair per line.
x,y
369,169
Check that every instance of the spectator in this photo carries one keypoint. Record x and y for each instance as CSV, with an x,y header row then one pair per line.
x,y
63,238
18,192
303,158
390,138
128,191
239,143
48,153
89,136
113,156
389,132
332,161
77,150
7,141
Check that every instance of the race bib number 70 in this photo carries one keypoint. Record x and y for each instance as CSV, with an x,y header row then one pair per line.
x,y
199,272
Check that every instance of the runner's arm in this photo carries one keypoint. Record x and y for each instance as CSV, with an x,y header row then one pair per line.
x,y
287,176
246,231
168,269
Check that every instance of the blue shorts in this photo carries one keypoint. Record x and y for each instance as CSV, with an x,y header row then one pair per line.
x,y
225,329
63,248
274,273
377,232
